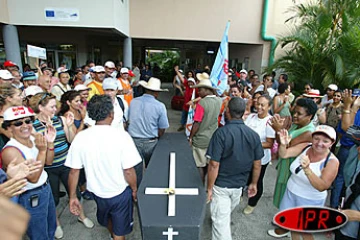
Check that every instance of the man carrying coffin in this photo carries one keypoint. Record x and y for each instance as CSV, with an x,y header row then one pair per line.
x,y
109,166
234,150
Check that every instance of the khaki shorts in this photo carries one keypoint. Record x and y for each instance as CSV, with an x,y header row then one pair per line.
x,y
199,156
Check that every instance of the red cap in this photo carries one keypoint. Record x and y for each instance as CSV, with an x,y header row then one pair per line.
x,y
131,73
9,63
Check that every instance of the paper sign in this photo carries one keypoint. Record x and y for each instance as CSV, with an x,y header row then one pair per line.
x,y
36,52
62,14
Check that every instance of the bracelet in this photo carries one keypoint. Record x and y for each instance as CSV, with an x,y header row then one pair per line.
x,y
346,111
50,149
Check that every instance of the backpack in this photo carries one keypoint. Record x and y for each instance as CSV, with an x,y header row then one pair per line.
x,y
122,106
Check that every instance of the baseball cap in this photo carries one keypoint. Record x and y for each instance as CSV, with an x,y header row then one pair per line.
x,y
131,73
109,64
32,90
9,63
124,70
98,69
191,80
29,76
5,74
110,83
81,87
327,130
18,112
243,71
333,87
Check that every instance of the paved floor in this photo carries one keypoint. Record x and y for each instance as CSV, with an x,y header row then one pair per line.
x,y
250,227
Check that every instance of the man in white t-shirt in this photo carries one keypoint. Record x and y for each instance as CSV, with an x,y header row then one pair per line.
x,y
267,86
109,166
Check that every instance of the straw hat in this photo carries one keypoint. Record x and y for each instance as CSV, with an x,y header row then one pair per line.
x,y
204,81
313,93
153,84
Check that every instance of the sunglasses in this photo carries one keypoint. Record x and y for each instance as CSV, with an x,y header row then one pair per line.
x,y
20,123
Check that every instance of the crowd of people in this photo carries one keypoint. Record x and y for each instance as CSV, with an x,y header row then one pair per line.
x,y
48,118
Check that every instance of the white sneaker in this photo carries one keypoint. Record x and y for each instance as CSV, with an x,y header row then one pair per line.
x,y
59,233
87,222
248,210
272,233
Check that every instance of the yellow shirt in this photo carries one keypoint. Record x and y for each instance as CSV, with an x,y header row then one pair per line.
x,y
95,89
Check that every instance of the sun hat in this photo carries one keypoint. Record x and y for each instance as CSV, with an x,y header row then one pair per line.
x,y
9,63
18,112
204,81
124,70
32,90
327,130
313,93
5,74
110,83
81,87
109,64
28,76
333,87
153,84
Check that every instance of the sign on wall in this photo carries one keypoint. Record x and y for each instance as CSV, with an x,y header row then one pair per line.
x,y
62,14
36,52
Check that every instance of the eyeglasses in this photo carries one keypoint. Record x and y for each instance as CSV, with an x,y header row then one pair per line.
x,y
307,88
20,123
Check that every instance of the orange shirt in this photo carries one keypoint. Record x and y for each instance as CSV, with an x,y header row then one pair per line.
x,y
95,89
126,87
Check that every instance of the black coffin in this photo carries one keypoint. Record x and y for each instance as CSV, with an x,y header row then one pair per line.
x,y
189,209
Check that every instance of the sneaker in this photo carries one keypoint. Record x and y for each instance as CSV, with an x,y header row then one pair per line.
x,y
272,233
87,222
248,210
87,195
181,128
59,233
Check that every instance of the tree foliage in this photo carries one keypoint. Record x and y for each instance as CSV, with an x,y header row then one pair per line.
x,y
324,45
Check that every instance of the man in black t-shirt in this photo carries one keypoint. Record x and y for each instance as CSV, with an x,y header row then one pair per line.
x,y
234,150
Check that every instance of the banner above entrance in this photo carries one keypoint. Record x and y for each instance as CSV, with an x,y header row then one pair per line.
x,y
36,52
62,14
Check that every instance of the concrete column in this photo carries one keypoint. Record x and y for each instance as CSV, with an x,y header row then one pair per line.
x,y
12,46
128,52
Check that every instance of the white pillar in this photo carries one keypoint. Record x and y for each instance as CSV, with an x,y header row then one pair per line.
x,y
128,52
12,46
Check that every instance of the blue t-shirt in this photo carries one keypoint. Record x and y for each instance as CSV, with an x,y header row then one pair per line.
x,y
345,140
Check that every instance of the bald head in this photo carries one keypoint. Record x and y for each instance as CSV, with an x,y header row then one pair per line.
x,y
44,82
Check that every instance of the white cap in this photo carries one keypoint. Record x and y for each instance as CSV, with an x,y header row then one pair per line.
x,y
81,87
243,71
18,112
191,80
327,130
333,87
32,90
110,83
124,70
98,69
109,64
5,74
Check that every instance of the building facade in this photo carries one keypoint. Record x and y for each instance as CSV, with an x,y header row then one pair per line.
x,y
123,30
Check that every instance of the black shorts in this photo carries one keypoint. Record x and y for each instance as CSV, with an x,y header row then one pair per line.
x,y
119,209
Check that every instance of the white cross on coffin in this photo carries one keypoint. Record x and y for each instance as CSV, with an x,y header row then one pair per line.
x,y
172,191
170,233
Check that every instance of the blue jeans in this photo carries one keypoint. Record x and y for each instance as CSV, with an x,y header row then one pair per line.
x,y
184,115
338,183
42,224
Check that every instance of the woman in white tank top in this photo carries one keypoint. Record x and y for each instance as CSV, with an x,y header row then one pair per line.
x,y
312,172
37,199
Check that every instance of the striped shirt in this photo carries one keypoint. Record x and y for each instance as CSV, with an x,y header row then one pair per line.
x,y
61,145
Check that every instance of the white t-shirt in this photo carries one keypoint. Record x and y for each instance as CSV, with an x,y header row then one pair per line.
x,y
263,128
104,159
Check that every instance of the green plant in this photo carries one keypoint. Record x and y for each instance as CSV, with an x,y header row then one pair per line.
x,y
166,60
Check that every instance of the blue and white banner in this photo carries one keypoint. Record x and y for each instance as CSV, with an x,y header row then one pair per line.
x,y
190,118
220,69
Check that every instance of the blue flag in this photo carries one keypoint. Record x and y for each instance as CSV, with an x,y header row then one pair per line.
x,y
220,69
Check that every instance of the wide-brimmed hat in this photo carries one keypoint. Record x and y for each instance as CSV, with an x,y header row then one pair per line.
x,y
313,93
153,84
204,81
18,112
327,130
